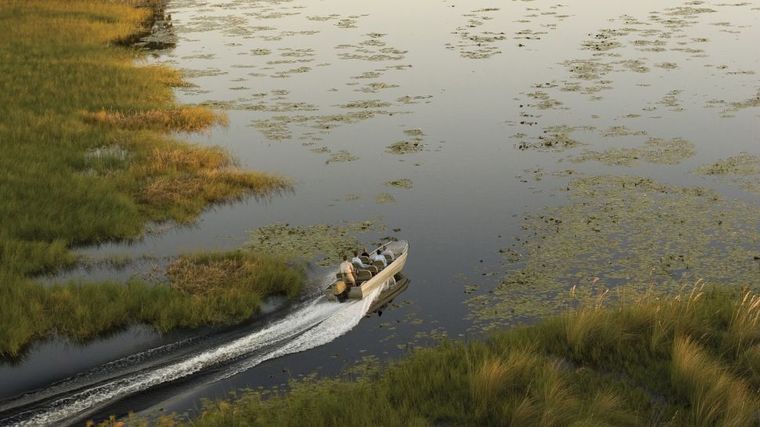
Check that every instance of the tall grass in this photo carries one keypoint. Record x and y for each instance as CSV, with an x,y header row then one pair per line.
x,y
715,395
69,89
86,157
654,361
198,293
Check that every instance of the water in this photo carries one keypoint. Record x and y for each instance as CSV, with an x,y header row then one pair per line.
x,y
311,325
471,182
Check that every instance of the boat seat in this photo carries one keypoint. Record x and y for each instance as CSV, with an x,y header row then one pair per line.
x,y
378,264
365,259
364,275
388,258
371,268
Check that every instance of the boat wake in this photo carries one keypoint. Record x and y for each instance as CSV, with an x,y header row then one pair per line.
x,y
314,324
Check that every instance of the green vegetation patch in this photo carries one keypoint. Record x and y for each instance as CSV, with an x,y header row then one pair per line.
x,y
615,131
554,138
753,102
83,132
658,151
404,183
691,360
413,144
384,198
742,169
341,156
544,101
210,273
741,164
322,242
405,147
622,231
86,158
202,289
364,104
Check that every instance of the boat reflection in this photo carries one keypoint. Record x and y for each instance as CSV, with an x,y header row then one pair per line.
x,y
386,296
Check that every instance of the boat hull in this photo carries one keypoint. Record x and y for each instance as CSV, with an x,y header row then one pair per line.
x,y
380,279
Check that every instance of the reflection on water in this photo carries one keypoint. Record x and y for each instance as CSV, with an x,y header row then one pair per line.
x,y
477,108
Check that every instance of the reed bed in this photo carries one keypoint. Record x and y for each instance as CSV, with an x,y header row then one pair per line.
x,y
83,131
196,293
87,158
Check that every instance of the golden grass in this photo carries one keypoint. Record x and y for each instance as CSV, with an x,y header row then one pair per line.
x,y
716,397
559,402
185,179
744,328
203,274
77,21
185,119
488,383
555,373
186,159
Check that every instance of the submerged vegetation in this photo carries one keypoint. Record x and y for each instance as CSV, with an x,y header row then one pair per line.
x,y
323,244
86,158
656,151
742,169
622,230
689,360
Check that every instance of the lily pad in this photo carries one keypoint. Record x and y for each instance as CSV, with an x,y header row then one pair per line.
x,y
321,243
400,183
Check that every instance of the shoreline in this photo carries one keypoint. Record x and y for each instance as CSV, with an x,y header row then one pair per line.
x,y
99,190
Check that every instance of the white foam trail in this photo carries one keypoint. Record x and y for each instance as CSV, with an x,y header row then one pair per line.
x,y
329,329
76,381
317,323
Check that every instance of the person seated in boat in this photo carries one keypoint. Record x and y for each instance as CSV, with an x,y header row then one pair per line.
x,y
357,262
348,271
389,254
379,257
365,253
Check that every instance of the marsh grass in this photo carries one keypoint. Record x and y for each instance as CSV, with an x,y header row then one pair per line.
x,y
70,89
716,396
198,293
654,360
87,157
209,273
186,119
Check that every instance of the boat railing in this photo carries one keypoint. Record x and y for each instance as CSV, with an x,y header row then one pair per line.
x,y
386,244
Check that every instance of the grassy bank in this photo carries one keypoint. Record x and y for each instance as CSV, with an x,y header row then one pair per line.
x,y
83,131
689,360
208,289
87,156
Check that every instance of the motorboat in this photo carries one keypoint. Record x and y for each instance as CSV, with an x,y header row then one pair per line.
x,y
376,277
